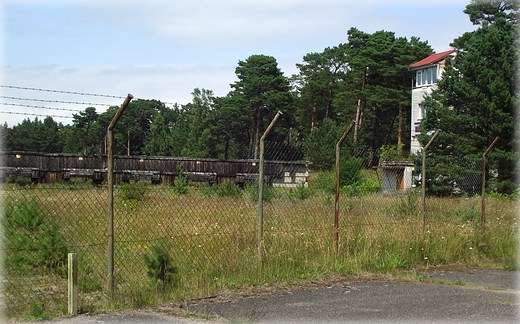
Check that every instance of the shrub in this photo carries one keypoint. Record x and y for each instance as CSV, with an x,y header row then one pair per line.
x,y
134,190
325,181
32,239
160,263
253,192
180,184
228,189
350,171
300,192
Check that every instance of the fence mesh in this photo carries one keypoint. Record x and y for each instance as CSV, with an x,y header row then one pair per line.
x,y
210,229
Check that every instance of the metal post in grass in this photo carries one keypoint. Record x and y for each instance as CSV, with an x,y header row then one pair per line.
x,y
261,189
423,179
72,283
336,197
110,182
483,203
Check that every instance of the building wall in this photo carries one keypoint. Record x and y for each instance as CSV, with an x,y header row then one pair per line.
x,y
418,93
417,115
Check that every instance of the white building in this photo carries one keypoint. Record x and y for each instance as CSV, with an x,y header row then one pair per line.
x,y
427,72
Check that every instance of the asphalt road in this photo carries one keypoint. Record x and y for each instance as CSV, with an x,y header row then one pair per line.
x,y
471,296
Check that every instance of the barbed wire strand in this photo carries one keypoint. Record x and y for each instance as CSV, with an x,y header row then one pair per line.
x,y
61,91
57,101
40,107
32,114
75,93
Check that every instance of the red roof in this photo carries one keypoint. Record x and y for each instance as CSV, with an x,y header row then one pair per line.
x,y
432,59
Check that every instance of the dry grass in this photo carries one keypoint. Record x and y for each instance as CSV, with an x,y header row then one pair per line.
x,y
214,240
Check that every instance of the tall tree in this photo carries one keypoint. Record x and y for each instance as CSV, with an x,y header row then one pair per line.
x,y
261,90
477,95
83,121
321,78
200,114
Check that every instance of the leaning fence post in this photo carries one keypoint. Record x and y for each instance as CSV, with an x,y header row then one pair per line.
x,y
423,179
72,284
110,181
336,196
483,203
261,189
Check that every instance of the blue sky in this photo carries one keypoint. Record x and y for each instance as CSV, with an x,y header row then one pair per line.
x,y
165,49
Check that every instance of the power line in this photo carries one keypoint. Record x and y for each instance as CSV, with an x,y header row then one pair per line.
x,y
62,91
58,101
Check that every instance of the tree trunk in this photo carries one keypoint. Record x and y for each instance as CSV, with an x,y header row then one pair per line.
x,y
400,131
360,108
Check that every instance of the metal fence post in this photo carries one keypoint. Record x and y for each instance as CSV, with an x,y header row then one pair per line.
x,y
110,182
336,196
72,284
261,189
423,179
483,203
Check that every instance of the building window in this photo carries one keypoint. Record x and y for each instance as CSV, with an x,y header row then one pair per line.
x,y
424,77
422,111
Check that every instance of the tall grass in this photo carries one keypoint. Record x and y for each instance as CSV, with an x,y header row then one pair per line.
x,y
212,240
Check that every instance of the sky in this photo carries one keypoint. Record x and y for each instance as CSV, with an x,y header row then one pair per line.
x,y
68,55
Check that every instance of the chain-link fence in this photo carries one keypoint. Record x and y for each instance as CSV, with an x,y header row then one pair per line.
x,y
183,230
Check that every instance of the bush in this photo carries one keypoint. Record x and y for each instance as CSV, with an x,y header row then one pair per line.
x,y
228,189
180,184
300,192
134,190
326,181
252,192
160,263
350,171
33,239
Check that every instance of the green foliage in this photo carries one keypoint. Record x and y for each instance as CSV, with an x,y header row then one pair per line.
x,y
20,181
350,171
407,207
228,189
180,184
320,145
252,191
326,181
33,239
159,262
475,101
370,183
133,190
392,153
301,192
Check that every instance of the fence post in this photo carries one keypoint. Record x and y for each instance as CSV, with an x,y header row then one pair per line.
x,y
423,179
72,284
110,182
336,196
483,203
261,190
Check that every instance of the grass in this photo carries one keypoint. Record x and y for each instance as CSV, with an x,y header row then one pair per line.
x,y
214,247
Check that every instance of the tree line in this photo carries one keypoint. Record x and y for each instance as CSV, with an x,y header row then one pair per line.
x,y
366,79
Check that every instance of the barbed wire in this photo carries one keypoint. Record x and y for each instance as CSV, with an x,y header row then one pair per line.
x,y
61,91
57,101
39,107
73,93
33,114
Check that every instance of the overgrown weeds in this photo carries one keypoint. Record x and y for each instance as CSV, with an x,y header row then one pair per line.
x,y
175,246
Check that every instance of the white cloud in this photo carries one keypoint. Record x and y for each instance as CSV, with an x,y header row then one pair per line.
x,y
166,83
200,42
